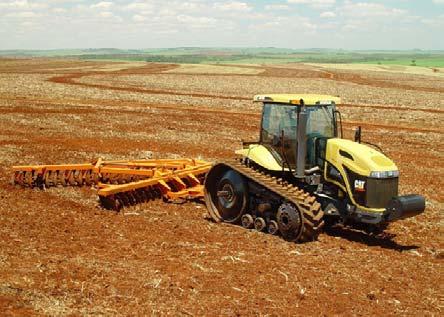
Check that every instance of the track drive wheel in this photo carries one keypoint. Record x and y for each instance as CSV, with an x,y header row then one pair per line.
x,y
301,223
289,221
226,194
313,219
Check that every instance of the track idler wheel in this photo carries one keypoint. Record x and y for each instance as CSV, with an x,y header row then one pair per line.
x,y
289,221
226,194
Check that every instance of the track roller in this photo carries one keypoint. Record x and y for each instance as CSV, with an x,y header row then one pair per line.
x,y
247,221
272,227
259,224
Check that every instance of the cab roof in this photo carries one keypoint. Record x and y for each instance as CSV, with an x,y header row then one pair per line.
x,y
309,99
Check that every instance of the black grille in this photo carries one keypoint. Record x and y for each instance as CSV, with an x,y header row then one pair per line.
x,y
380,191
377,191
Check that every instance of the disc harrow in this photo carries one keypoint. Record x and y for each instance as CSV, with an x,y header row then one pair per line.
x,y
122,183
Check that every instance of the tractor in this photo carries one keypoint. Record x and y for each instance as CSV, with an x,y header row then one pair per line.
x,y
302,174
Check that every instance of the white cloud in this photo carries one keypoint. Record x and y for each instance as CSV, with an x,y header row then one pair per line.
x,y
59,10
434,22
276,24
102,5
139,18
22,15
106,14
272,7
367,9
61,2
232,6
196,22
328,14
317,4
139,6
22,5
144,23
313,1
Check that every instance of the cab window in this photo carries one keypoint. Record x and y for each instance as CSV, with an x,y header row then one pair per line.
x,y
277,118
320,121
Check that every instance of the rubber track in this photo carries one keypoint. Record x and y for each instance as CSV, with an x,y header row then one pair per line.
x,y
306,203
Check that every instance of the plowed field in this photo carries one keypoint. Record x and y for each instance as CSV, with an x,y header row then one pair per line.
x,y
60,254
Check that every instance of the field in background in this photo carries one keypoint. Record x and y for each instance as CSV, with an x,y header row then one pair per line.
x,y
61,254
265,55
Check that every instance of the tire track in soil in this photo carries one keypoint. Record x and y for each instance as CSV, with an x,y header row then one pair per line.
x,y
360,80
397,108
303,71
70,79
306,71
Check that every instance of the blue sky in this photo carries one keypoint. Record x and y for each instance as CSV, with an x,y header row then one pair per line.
x,y
346,24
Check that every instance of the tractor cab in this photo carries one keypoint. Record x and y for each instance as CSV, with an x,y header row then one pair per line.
x,y
298,126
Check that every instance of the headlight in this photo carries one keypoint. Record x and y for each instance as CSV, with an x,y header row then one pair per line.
x,y
384,174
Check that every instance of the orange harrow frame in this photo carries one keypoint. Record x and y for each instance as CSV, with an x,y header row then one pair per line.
x,y
122,183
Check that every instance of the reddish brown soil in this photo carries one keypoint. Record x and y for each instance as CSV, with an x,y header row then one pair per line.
x,y
61,254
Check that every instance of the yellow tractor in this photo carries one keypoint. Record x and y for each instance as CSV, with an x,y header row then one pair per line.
x,y
299,175
302,173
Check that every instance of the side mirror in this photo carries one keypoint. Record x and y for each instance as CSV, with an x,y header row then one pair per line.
x,y
358,134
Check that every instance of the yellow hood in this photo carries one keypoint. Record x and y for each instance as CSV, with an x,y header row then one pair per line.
x,y
358,157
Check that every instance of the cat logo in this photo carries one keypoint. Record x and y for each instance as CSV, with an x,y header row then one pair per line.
x,y
359,185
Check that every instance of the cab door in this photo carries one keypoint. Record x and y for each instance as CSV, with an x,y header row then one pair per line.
x,y
279,131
